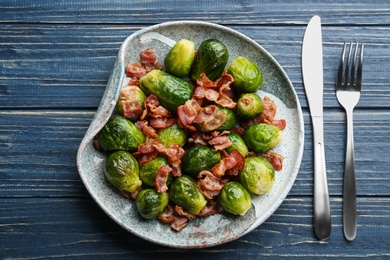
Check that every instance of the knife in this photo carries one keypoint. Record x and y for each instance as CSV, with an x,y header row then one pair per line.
x,y
312,72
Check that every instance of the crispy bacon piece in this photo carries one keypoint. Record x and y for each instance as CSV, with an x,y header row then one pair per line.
x,y
225,92
210,118
281,123
179,223
135,70
212,207
231,164
147,56
181,212
170,216
130,105
133,82
174,153
187,113
209,184
153,108
160,181
275,159
220,142
147,130
162,123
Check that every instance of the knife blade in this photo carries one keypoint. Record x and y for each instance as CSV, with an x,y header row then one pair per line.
x,y
312,72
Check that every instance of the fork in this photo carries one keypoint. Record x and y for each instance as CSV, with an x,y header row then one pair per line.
x,y
348,93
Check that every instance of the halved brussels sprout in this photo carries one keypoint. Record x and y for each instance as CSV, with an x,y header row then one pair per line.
x,y
150,203
172,135
170,90
121,170
129,97
262,137
120,134
184,192
199,158
231,119
249,106
211,59
238,144
258,175
234,198
147,171
180,58
247,75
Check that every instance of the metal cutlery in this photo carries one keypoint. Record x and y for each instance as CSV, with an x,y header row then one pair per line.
x,y
312,72
348,88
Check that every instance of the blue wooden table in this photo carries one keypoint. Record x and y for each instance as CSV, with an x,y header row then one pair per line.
x,y
55,60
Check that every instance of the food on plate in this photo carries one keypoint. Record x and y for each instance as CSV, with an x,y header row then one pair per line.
x,y
249,106
151,203
247,75
184,192
178,61
211,59
149,170
262,137
172,135
234,198
191,138
258,175
130,103
120,134
121,170
198,158
170,90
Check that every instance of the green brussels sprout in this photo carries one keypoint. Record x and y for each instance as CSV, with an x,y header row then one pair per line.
x,y
120,134
249,105
247,75
238,144
150,203
128,97
211,59
199,158
121,170
147,171
184,192
180,58
258,175
170,90
231,119
262,137
172,135
234,198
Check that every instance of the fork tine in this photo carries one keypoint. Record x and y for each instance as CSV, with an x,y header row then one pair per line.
x,y
341,66
360,68
354,63
347,72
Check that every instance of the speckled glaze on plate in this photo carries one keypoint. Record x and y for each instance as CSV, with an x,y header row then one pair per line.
x,y
217,229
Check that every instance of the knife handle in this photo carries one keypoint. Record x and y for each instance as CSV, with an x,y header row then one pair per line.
x,y
322,219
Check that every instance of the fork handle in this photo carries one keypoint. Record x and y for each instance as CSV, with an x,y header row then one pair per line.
x,y
322,219
349,191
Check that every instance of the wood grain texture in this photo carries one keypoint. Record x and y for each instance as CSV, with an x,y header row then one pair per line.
x,y
55,60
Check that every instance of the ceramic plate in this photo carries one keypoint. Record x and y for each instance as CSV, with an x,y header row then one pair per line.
x,y
217,229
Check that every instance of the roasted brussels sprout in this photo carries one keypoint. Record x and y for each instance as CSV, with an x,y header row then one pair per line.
x,y
231,119
150,203
129,97
172,135
211,59
249,106
184,192
120,134
238,144
147,171
234,198
262,137
258,175
121,170
247,75
199,158
170,90
179,60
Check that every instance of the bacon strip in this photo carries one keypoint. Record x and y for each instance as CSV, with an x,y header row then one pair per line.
x,y
161,178
212,207
275,159
230,164
209,184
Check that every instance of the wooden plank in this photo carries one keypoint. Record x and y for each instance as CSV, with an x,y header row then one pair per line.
x,y
79,228
38,153
228,12
52,66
